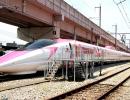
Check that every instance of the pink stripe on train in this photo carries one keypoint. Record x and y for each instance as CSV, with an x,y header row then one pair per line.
x,y
11,55
52,51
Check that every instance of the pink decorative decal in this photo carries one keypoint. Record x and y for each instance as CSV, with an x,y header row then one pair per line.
x,y
62,40
11,55
52,51
110,47
98,52
77,50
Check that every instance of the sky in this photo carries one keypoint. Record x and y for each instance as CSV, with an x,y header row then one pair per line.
x,y
109,11
8,34
110,15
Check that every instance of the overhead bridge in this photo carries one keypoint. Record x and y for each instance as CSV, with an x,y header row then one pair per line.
x,y
53,19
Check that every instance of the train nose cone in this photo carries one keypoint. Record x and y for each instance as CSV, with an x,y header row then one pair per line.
x,y
9,60
10,56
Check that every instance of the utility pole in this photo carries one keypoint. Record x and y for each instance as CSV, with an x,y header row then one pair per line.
x,y
129,43
100,12
115,34
99,22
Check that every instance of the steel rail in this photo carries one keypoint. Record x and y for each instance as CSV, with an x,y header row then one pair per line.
x,y
102,97
19,86
69,93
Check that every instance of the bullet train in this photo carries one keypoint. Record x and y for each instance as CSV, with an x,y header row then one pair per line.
x,y
36,56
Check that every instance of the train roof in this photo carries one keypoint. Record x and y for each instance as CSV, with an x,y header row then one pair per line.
x,y
45,42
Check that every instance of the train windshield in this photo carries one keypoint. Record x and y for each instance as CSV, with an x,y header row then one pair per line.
x,y
38,44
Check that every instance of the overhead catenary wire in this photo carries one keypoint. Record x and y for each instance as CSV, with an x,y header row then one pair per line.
x,y
121,1
122,14
125,13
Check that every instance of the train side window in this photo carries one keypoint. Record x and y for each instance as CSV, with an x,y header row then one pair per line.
x,y
39,44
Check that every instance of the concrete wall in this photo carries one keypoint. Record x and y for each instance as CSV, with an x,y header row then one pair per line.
x,y
33,33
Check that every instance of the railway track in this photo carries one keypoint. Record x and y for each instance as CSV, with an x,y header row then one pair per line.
x,y
120,93
113,88
22,81
96,90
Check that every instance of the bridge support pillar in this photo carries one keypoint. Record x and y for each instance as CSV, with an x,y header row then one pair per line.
x,y
33,33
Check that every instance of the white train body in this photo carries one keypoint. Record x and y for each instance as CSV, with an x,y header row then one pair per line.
x,y
36,56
